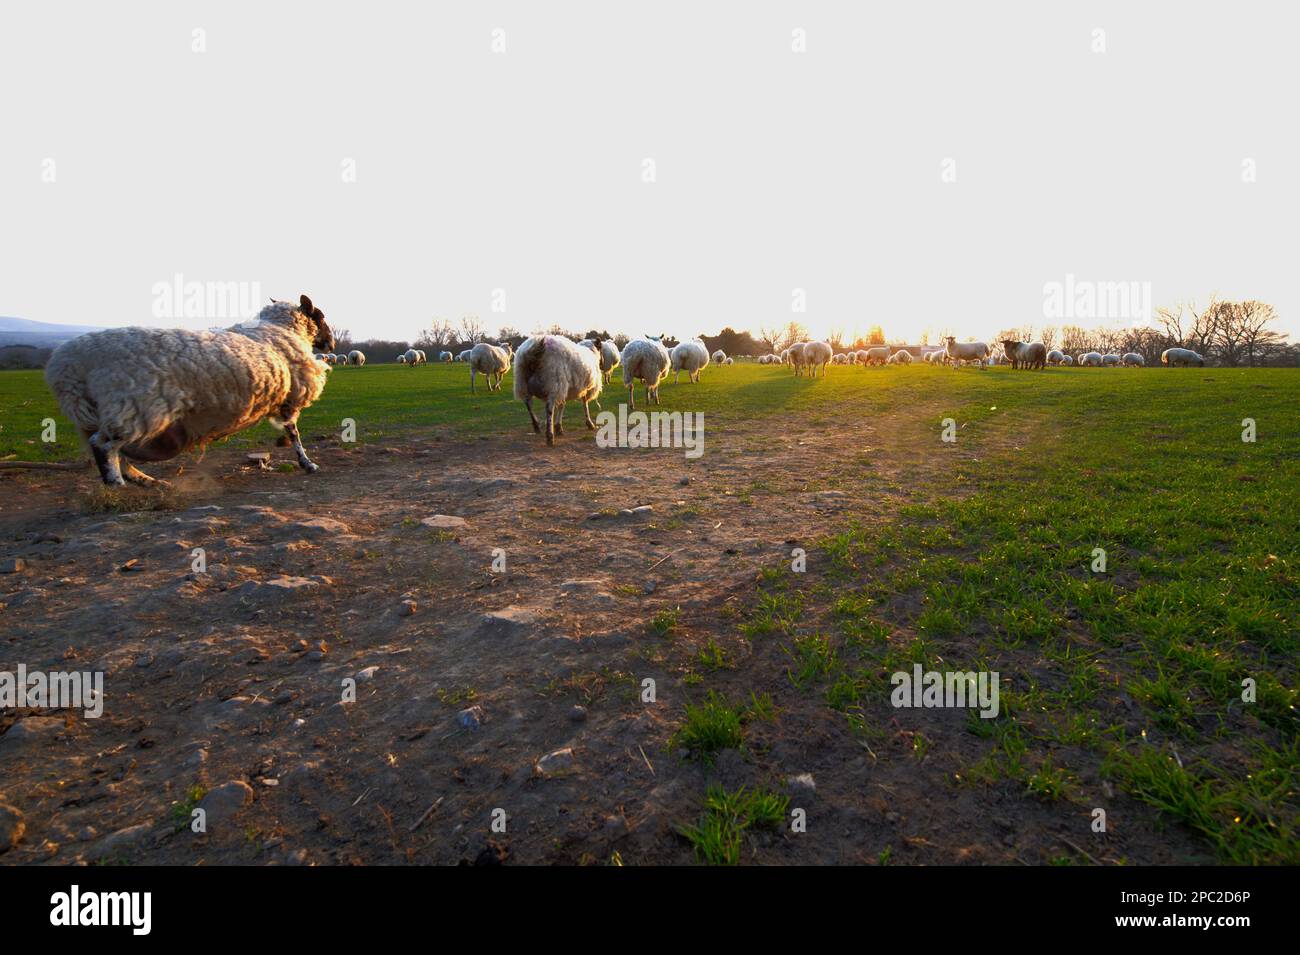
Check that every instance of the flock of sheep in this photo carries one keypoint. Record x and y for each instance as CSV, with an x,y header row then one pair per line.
x,y
811,357
147,394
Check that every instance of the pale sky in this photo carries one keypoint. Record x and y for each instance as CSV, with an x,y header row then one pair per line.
x,y
523,170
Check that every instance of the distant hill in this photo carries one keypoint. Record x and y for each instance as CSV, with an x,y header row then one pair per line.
x,y
24,331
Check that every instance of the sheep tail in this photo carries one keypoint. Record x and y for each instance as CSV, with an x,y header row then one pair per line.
x,y
531,359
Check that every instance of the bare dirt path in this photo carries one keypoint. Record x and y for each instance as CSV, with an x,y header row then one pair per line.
x,y
232,680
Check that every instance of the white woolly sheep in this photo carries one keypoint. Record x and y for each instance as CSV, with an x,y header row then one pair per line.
x,y
690,357
900,357
966,351
719,357
1024,354
1110,361
877,355
490,360
1133,359
150,393
464,356
1055,356
1067,360
1174,357
816,356
557,370
648,361
356,357
412,357
445,356
1090,359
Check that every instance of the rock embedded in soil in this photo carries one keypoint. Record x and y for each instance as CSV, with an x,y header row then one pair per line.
x,y
802,784
12,565
445,522
222,803
33,729
12,827
578,713
559,763
409,607
279,586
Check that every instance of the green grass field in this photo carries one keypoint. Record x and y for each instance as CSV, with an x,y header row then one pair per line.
x,y
1201,589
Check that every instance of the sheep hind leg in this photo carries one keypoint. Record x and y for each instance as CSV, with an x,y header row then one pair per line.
x,y
550,422
528,403
586,410
559,417
136,476
304,462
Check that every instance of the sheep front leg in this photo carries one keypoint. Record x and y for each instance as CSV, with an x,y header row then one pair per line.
x,y
471,382
528,403
304,462
106,453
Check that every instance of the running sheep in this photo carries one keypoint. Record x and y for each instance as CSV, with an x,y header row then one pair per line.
x,y
648,361
690,357
556,370
149,394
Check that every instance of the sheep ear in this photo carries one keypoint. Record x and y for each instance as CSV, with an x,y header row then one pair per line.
x,y
305,302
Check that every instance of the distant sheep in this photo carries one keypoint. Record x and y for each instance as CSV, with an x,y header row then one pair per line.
x,y
648,361
966,351
900,357
445,356
690,357
878,355
1133,359
1024,354
412,357
1185,357
793,356
557,370
1067,359
719,357
464,356
1110,361
356,357
1090,359
150,394
1055,357
817,355
489,360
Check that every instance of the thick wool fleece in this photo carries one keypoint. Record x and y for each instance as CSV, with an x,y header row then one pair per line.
x,y
135,385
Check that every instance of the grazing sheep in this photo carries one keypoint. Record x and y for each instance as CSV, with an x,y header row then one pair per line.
x,y
729,361
1067,359
490,360
1090,359
719,357
793,356
401,359
839,359
1110,361
556,370
690,357
150,393
862,356
1133,360
445,356
1055,356
1174,357
609,357
967,351
878,355
412,357
646,360
900,357
1024,354
356,357
815,356
464,356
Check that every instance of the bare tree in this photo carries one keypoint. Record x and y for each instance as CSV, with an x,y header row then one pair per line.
x,y
471,329
438,336
771,338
